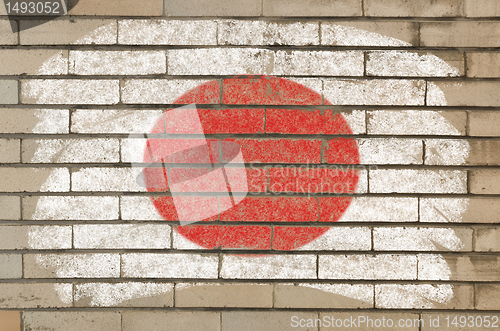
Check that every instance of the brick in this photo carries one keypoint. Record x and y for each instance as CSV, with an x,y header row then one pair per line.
x,y
268,267
366,33
416,122
375,92
462,152
144,265
486,295
264,320
311,8
160,91
105,180
72,321
417,181
413,64
70,91
476,94
10,207
31,62
418,8
121,236
476,268
371,209
423,296
237,32
100,150
117,62
176,321
34,179
318,63
36,295
310,295
390,151
11,320
368,321
113,120
117,8
486,240
213,8
70,208
138,208
483,65
471,321
482,8
12,266
248,295
63,32
10,150
15,120
9,92
71,265
216,61
456,210
422,239
231,120
459,34
484,181
35,237
484,123
130,294
7,37
382,266
338,238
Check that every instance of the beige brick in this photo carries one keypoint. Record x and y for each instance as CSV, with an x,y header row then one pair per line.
x,y
9,92
459,34
34,179
71,265
7,37
482,8
121,236
476,94
483,65
175,321
368,321
106,180
167,32
213,8
35,237
30,62
471,321
266,321
381,209
100,150
416,122
422,239
424,296
113,120
417,181
268,267
74,32
484,123
486,240
36,295
460,210
375,92
390,151
117,62
487,297
380,33
72,321
311,295
70,91
411,8
12,266
117,8
414,64
10,208
485,181
70,208
130,294
462,152
312,8
16,120
478,268
247,295
10,150
11,320
382,266
236,32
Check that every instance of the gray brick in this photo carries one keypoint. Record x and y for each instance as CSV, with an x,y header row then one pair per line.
x,y
7,37
9,92
11,266
10,150
10,208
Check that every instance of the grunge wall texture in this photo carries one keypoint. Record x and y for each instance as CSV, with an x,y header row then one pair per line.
x,y
81,247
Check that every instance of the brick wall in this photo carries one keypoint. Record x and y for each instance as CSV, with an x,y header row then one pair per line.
x,y
83,248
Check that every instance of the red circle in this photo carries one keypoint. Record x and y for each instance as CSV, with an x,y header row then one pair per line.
x,y
272,92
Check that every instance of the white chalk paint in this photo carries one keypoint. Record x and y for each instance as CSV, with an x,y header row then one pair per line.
x,y
269,267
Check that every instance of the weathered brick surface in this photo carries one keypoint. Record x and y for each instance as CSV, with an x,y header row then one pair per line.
x,y
29,62
482,8
484,64
459,34
484,181
48,237
263,321
474,94
311,8
418,8
368,321
176,321
12,266
34,179
36,295
72,321
456,210
118,8
7,37
486,240
10,207
9,92
486,296
483,123
34,120
10,150
463,268
213,8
